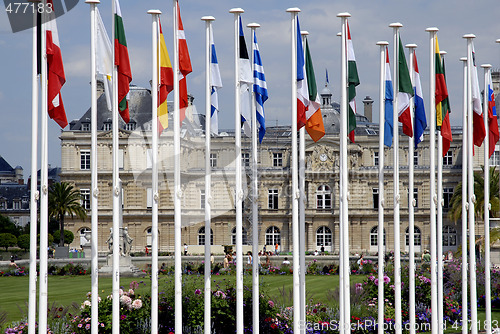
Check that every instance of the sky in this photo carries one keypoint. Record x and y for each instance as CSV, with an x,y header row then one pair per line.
x,y
369,23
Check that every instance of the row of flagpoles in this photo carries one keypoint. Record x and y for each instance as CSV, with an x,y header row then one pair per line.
x,y
402,101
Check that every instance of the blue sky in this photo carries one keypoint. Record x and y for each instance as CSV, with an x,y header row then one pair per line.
x,y
369,24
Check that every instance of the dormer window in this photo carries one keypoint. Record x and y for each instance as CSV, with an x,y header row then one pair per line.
x,y
86,126
130,126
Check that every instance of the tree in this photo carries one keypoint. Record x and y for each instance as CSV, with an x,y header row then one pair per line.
x,y
68,236
8,226
23,241
64,199
7,240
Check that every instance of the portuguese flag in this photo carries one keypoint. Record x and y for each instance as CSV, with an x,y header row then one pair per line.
x,y
442,103
122,64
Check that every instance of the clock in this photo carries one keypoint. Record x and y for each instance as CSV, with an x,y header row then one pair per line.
x,y
323,157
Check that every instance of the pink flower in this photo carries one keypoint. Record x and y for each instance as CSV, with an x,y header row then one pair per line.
x,y
271,303
137,304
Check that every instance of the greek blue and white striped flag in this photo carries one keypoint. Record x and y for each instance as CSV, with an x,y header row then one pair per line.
x,y
216,84
259,88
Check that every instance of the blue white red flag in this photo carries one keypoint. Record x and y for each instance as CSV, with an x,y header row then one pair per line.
x,y
420,122
389,96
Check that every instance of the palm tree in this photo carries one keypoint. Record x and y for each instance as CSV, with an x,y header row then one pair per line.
x,y
65,199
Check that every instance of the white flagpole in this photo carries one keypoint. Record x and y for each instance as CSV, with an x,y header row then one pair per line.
x,y
397,195
302,212
44,187
433,200
208,177
238,193
487,205
411,204
34,194
465,204
471,196
255,198
116,195
155,14
177,178
380,238
93,173
294,164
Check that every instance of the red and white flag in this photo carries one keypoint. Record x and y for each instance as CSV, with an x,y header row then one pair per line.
x,y
184,66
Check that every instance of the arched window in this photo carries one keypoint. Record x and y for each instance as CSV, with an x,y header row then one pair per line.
x,y
323,236
273,236
417,240
449,236
374,236
149,237
323,197
244,236
201,236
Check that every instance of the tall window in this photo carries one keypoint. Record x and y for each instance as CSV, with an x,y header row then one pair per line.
x,y
245,159
273,236
16,204
85,159
447,195
213,160
272,202
415,197
449,236
323,197
323,236
448,158
495,157
374,236
277,159
149,237
201,236
417,237
375,158
415,158
85,193
244,236
375,198
202,198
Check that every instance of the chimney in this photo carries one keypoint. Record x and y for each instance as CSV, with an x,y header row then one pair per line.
x,y
368,104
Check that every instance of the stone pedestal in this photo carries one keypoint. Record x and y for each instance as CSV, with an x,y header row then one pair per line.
x,y
127,269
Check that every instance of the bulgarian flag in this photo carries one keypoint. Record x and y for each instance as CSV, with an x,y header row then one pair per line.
x,y
184,65
314,124
55,73
122,64
352,82
166,84
442,103
405,92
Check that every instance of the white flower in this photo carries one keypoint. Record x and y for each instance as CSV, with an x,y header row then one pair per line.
x,y
126,300
86,303
131,292
137,304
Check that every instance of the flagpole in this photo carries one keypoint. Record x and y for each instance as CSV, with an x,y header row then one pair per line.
x,y
208,111
471,196
255,197
487,204
44,187
34,193
433,200
93,171
380,237
238,194
411,204
302,213
177,178
465,204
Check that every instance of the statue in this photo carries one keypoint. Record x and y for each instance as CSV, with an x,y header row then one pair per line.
x,y
125,241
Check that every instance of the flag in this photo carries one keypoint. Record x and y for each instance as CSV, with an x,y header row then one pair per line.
x,y
55,73
166,83
314,124
479,132
389,95
122,64
446,126
302,87
492,118
352,82
419,114
216,84
245,79
405,92
184,66
104,56
259,88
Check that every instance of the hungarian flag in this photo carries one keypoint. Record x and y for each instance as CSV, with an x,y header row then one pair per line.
x,y
166,84
420,119
405,92
352,82
479,132
492,118
314,124
122,64
184,66
55,73
442,105
302,86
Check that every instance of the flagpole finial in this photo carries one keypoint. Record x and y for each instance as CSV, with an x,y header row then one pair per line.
x,y
442,53
90,2
411,46
432,29
304,32
208,18
382,43
339,34
469,36
395,25
486,65
464,59
293,10
344,14
236,10
253,25
153,11
497,41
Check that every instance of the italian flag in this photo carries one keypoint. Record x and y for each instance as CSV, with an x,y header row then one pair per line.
x,y
166,84
405,92
122,64
314,124
352,82
442,103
